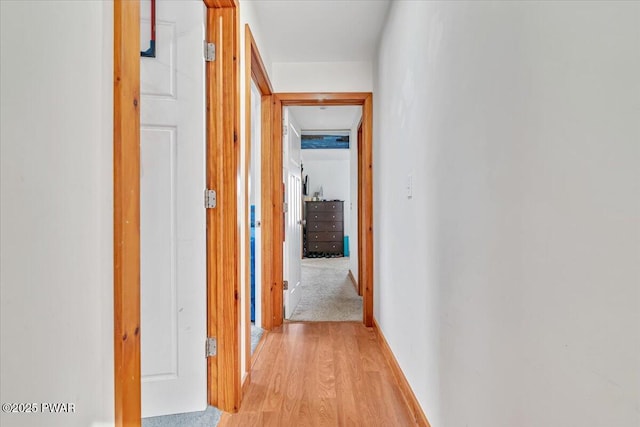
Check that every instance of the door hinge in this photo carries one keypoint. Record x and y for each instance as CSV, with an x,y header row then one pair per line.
x,y
211,347
209,51
285,285
285,207
210,201
285,130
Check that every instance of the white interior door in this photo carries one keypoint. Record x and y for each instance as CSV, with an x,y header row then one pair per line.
x,y
172,215
293,216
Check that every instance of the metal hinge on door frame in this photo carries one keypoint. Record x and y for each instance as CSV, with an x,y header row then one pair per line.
x,y
285,285
209,51
211,347
210,200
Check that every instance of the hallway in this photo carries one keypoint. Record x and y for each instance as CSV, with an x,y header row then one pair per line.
x,y
321,374
494,233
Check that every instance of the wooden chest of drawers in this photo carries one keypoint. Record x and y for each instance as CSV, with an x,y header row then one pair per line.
x,y
324,230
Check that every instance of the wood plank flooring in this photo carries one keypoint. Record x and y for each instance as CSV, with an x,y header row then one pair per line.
x,y
321,374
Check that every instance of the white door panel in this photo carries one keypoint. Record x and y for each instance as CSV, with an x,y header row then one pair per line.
x,y
172,215
158,261
293,217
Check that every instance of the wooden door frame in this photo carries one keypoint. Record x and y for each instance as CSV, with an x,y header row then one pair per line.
x,y
361,230
256,71
223,226
126,211
223,159
275,197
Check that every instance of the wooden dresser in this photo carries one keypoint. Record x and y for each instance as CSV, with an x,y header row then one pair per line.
x,y
324,229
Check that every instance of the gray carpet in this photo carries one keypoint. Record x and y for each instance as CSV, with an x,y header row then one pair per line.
x,y
327,292
256,334
207,418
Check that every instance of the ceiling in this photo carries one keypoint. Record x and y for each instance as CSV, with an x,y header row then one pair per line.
x,y
331,118
321,30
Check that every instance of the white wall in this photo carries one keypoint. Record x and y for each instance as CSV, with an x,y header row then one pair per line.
x,y
57,210
508,287
322,77
329,169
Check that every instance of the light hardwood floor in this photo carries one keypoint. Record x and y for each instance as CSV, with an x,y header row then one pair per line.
x,y
321,374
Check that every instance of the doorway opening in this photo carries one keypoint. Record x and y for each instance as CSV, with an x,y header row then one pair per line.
x,y
255,220
258,213
325,150
277,197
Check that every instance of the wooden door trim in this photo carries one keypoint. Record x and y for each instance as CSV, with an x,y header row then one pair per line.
x,y
274,197
223,271
126,211
365,212
365,201
360,186
223,231
324,98
255,70
220,4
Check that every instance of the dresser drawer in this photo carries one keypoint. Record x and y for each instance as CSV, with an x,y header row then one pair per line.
x,y
331,247
323,226
324,207
324,236
324,216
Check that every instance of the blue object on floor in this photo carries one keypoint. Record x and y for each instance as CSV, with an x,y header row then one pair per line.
x,y
345,246
253,263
